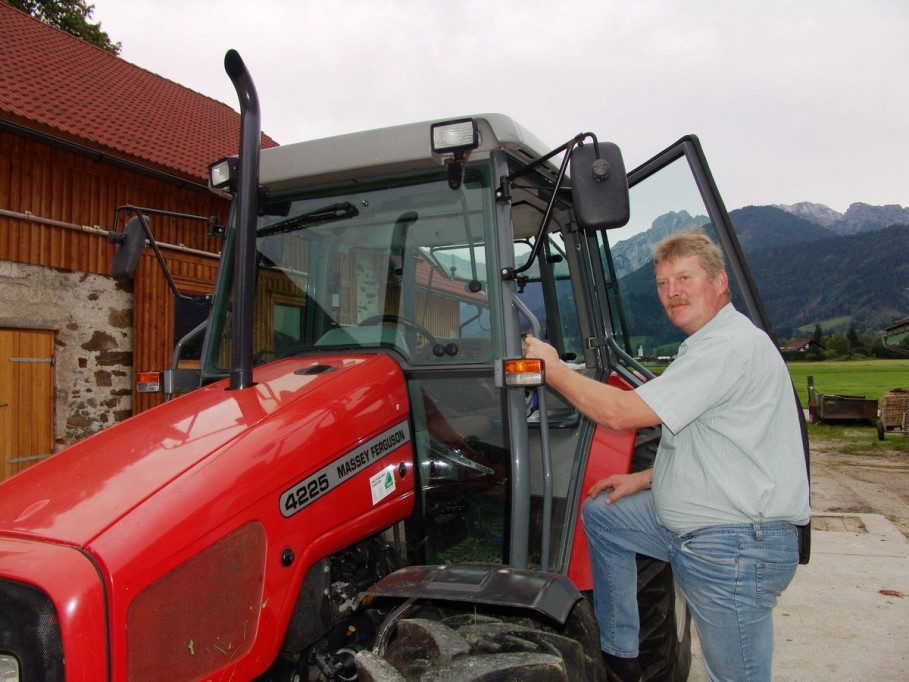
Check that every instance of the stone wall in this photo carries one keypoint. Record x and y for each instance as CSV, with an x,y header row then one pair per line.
x,y
92,316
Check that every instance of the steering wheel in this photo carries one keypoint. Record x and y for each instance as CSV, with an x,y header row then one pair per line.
x,y
404,322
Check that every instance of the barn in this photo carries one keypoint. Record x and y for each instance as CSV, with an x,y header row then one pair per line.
x,y
84,134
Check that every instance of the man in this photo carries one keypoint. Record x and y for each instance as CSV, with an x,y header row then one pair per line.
x,y
729,479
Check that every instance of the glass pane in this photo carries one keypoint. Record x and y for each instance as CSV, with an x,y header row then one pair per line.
x,y
548,293
288,328
400,265
464,468
187,316
662,204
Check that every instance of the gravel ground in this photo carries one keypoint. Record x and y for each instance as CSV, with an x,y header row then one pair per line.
x,y
845,614
869,483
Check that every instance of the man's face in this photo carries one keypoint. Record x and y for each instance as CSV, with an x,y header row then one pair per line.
x,y
689,298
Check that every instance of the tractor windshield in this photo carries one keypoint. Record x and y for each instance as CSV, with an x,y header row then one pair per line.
x,y
400,265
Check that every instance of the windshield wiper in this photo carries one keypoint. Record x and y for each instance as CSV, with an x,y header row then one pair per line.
x,y
327,214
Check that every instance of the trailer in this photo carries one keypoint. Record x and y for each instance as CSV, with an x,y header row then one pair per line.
x,y
894,413
826,407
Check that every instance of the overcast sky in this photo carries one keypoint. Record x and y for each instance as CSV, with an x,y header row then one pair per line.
x,y
801,100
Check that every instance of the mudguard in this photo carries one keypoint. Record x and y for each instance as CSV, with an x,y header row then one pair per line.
x,y
550,594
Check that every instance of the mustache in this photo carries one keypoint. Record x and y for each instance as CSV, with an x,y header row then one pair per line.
x,y
677,302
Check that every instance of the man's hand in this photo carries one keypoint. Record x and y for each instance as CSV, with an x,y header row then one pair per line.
x,y
534,348
621,485
612,407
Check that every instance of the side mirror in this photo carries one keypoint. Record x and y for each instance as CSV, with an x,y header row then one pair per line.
x,y
129,247
599,186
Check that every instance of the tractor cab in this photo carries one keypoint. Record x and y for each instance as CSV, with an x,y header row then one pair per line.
x,y
441,244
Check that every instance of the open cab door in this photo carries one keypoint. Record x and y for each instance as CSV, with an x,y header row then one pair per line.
x,y
671,192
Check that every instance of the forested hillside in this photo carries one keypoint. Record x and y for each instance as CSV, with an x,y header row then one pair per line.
x,y
808,274
857,281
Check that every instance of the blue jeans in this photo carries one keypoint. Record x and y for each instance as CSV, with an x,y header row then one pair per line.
x,y
730,575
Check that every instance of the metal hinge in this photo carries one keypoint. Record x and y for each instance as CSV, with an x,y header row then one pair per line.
x,y
592,342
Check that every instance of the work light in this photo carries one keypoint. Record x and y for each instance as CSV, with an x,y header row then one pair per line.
x,y
223,174
455,136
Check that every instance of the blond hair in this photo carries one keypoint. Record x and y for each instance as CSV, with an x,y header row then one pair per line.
x,y
691,243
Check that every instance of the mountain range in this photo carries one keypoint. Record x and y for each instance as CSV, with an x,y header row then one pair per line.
x,y
812,265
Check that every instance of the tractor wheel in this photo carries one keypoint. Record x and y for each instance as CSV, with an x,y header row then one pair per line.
x,y
665,636
473,645
880,429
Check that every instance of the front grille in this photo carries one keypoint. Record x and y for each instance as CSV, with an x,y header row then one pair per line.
x,y
29,630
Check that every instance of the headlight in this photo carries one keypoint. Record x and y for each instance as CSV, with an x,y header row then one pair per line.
x,y
9,668
31,647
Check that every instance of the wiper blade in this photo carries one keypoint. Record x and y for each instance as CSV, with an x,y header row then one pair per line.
x,y
328,214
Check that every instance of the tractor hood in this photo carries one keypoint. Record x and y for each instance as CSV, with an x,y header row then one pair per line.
x,y
80,493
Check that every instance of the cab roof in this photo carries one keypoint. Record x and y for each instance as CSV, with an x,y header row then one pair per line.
x,y
396,149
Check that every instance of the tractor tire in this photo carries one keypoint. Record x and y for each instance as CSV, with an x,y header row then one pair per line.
x,y
473,646
665,634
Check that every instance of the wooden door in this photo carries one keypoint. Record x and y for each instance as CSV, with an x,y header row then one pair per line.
x,y
26,398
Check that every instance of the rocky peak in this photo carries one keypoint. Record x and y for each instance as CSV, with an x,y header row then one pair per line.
x,y
860,217
630,254
816,213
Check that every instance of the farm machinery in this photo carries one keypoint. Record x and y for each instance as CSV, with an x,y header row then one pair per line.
x,y
364,479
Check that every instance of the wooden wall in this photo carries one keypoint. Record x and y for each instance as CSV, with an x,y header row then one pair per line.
x,y
54,184
58,185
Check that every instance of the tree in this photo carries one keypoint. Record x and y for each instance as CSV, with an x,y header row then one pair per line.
x,y
818,336
72,16
866,343
837,346
853,338
816,349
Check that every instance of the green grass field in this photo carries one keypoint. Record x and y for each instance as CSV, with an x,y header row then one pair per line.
x,y
870,378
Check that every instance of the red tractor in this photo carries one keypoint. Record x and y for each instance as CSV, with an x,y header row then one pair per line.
x,y
367,481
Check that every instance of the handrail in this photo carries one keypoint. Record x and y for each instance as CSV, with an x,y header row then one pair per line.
x,y
545,451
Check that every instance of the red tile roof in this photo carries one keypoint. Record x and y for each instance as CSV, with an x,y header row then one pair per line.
x,y
57,84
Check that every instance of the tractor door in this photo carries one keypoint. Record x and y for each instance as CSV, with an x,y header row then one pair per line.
x,y
561,294
673,191
593,296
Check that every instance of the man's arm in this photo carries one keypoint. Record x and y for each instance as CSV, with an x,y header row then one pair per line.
x,y
607,405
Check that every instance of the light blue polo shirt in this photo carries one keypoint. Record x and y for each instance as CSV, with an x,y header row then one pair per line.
x,y
731,450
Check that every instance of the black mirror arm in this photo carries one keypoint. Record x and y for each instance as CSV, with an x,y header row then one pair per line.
x,y
512,273
568,146
140,214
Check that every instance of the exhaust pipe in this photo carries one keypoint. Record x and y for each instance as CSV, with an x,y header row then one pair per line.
x,y
247,193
